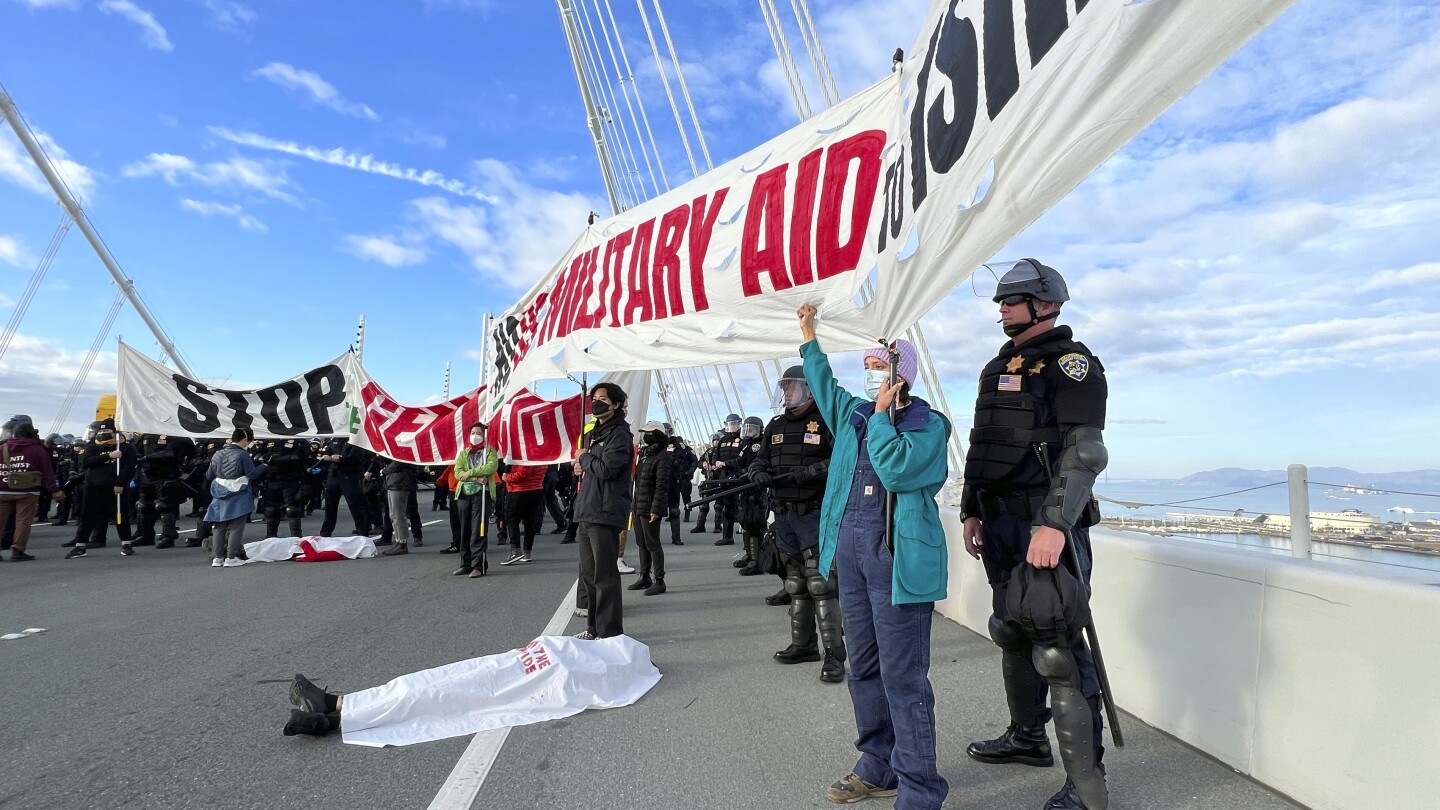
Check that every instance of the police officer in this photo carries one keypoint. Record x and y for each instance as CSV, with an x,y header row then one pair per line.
x,y
347,464
162,460
109,464
194,479
708,473
794,459
724,464
1034,454
752,507
287,463
66,477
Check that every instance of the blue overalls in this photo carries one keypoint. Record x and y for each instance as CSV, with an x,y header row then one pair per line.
x,y
889,650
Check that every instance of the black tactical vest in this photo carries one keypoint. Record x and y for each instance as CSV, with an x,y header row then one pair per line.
x,y
1014,413
796,442
161,457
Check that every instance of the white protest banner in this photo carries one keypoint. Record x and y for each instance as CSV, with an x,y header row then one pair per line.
x,y
531,430
154,399
712,270
1029,97
1001,109
426,434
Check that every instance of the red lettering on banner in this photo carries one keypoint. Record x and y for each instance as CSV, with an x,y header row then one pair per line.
x,y
665,284
833,258
376,401
639,276
702,226
765,217
584,319
803,218
563,313
614,266
534,657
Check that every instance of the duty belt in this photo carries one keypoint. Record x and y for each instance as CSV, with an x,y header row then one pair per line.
x,y
1023,505
800,508
994,434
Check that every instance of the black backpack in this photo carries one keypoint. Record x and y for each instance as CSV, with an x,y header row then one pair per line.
x,y
1050,605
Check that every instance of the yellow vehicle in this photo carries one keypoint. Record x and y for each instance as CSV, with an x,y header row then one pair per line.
x,y
105,407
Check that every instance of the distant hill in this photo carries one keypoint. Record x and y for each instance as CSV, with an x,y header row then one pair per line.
x,y
1237,478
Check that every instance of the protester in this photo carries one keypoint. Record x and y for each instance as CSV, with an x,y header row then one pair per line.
x,y
602,506
398,478
524,494
109,463
550,497
231,476
25,472
440,499
344,478
446,478
652,491
682,467
889,580
475,492
1036,451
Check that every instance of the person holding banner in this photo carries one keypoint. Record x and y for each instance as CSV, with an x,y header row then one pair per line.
x,y
1034,454
880,524
475,496
109,468
602,509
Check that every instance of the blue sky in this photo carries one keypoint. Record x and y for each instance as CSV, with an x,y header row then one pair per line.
x,y
1258,270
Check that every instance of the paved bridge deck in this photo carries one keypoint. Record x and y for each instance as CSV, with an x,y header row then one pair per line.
x,y
161,683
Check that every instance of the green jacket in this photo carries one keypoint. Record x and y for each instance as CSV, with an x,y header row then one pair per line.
x,y
487,469
910,462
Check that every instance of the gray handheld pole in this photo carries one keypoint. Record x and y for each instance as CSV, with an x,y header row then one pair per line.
x,y
894,356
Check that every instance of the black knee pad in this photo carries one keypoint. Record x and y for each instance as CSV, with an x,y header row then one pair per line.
x,y
1056,665
1007,636
821,588
795,586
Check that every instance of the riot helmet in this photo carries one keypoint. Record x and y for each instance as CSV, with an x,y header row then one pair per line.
x,y
792,391
732,423
752,427
1027,281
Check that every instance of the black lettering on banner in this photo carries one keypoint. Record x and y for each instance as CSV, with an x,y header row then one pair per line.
x,y
1002,74
242,420
325,387
206,414
958,58
294,408
1045,21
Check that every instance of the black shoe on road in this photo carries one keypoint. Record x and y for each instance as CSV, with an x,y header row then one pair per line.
x,y
656,589
797,655
640,584
1023,746
308,696
777,599
751,571
16,555
400,548
743,562
463,570
127,549
193,542
833,670
698,529
450,550
76,553
725,541
165,542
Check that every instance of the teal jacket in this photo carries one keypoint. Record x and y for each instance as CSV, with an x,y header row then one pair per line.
x,y
910,463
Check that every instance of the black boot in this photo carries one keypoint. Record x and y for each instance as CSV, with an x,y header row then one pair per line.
x,y
833,670
725,541
743,562
778,599
310,697
795,654
311,723
656,589
699,529
1069,797
640,584
164,543
1026,746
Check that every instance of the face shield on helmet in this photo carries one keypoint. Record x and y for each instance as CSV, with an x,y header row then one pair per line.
x,y
752,428
791,391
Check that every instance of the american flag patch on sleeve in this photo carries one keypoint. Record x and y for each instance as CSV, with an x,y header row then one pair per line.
x,y
1009,382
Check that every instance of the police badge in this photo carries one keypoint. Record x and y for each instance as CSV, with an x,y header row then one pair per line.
x,y
1075,366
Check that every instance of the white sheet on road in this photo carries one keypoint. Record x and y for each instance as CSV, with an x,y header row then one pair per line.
x,y
550,678
275,549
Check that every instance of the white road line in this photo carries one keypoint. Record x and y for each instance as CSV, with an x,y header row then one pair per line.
x,y
433,522
468,776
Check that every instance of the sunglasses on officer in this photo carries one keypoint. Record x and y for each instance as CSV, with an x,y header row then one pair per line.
x,y
1015,300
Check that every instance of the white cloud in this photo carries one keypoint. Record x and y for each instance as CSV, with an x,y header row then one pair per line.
x,y
17,168
36,374
40,4
214,209
151,30
383,250
235,174
1426,274
11,251
515,241
228,15
312,85
351,160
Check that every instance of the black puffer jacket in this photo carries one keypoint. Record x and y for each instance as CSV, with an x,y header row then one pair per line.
x,y
604,491
399,476
653,480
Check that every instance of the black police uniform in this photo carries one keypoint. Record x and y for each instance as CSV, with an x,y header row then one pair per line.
x,y
727,452
752,507
707,488
344,480
162,460
1032,400
71,476
795,450
194,481
101,502
288,462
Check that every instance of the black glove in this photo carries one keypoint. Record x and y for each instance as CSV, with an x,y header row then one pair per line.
x,y
760,477
813,472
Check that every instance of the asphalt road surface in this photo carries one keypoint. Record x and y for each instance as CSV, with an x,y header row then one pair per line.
x,y
161,682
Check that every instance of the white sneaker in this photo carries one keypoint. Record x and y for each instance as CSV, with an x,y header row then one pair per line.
x,y
624,567
582,612
234,562
217,562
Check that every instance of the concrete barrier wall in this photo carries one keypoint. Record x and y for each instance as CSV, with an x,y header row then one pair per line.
x,y
1321,683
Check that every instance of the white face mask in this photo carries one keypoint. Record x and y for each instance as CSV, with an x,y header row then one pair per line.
x,y
476,439
873,379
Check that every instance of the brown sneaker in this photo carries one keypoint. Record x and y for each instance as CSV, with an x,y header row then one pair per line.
x,y
853,789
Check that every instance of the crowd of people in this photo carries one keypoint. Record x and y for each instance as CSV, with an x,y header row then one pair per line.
x,y
836,495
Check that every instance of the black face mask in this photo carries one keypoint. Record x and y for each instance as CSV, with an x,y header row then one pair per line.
x,y
656,438
599,408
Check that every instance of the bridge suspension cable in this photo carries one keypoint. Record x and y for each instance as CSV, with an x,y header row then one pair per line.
x,y
23,304
83,372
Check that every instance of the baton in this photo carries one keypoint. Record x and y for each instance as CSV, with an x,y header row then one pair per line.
x,y
727,493
1094,640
